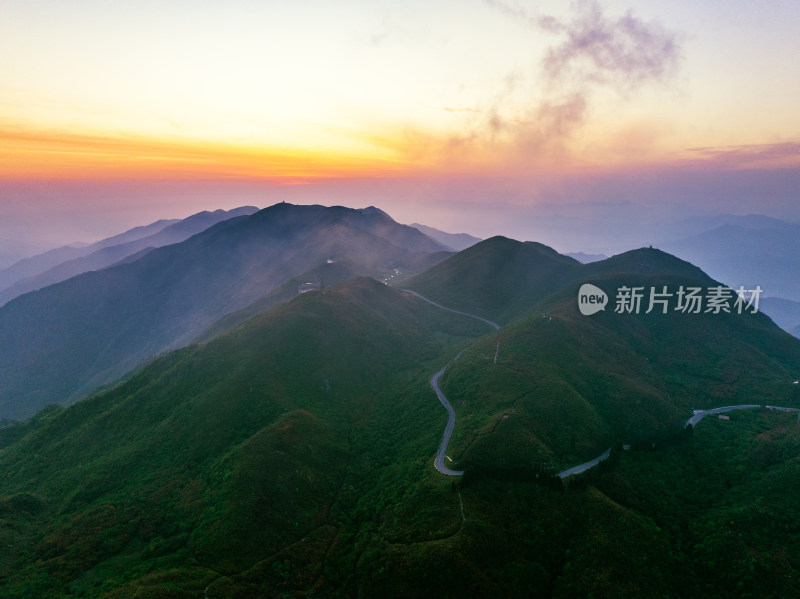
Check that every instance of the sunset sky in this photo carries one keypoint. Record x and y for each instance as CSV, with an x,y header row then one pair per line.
x,y
113,113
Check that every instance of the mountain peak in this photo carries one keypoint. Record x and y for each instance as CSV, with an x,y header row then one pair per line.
x,y
372,210
189,286
498,278
648,261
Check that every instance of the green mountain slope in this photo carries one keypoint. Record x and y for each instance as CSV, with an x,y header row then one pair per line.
x,y
566,386
252,450
66,340
293,455
498,278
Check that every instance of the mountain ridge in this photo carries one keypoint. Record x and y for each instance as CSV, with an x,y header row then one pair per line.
x,y
114,318
41,271
454,241
294,452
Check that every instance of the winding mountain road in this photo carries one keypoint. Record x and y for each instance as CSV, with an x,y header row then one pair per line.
x,y
451,413
438,461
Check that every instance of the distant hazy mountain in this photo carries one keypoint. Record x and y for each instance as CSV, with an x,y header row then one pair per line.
x,y
768,256
292,455
613,227
12,251
377,222
603,227
757,222
62,341
454,241
114,249
39,263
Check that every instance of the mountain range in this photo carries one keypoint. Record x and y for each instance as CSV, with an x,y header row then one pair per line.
x,y
751,251
290,453
63,263
453,241
63,341
745,255
12,251
747,249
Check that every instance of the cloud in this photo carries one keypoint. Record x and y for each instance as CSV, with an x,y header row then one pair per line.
x,y
751,156
556,119
516,12
597,49
624,52
534,115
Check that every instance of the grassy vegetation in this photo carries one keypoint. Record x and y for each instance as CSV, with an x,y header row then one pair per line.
x,y
566,386
293,456
497,279
291,440
65,341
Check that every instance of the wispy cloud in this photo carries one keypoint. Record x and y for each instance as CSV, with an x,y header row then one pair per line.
x,y
515,11
455,109
534,115
625,52
752,156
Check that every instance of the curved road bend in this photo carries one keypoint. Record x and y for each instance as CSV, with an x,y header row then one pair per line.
x,y
700,414
451,413
448,430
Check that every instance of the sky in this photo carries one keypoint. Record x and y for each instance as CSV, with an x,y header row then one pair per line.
x,y
468,115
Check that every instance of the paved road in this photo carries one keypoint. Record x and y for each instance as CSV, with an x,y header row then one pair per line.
x,y
451,413
780,409
700,414
422,297
586,465
448,430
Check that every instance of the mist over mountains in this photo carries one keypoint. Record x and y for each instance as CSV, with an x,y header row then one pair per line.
x,y
454,241
62,341
62,263
275,428
748,254
12,251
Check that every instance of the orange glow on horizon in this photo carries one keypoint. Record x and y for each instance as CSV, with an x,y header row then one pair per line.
x,y
28,154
